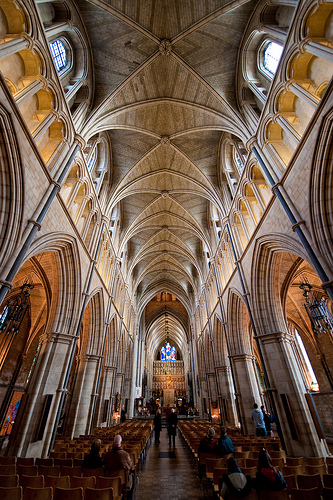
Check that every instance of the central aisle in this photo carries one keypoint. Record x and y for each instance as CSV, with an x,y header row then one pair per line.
x,y
169,475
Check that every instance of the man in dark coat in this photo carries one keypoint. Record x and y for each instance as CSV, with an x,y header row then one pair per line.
x,y
157,426
172,426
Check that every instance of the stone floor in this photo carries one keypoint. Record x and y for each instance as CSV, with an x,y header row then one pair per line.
x,y
170,472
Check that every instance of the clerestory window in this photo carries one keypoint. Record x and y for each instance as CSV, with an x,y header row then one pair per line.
x,y
59,54
272,55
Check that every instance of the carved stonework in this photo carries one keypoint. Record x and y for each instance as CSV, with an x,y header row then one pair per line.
x,y
165,140
165,47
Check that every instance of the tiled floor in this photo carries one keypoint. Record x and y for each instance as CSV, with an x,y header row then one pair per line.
x,y
163,477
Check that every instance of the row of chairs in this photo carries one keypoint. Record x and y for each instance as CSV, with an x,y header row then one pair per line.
x,y
47,493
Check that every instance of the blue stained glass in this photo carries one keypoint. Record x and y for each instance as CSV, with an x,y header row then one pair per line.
x,y
59,55
163,354
272,55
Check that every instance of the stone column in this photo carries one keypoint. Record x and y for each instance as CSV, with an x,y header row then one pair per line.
x,y
247,388
83,392
133,377
47,379
228,393
285,376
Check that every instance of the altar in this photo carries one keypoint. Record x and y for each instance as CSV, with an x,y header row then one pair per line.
x,y
168,397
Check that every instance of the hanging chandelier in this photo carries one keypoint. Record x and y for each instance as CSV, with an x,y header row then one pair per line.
x,y
320,317
15,309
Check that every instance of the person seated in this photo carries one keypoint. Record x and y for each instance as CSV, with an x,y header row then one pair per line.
x,y
224,445
268,478
235,482
116,459
93,459
208,443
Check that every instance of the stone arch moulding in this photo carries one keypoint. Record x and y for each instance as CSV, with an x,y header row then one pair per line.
x,y
11,188
67,302
238,319
96,334
320,188
265,296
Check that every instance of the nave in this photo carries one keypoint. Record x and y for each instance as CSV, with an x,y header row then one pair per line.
x,y
171,472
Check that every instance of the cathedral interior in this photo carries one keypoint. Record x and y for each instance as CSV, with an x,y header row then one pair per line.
x,y
166,215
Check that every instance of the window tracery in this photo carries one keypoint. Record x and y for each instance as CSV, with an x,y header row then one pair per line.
x,y
59,54
271,57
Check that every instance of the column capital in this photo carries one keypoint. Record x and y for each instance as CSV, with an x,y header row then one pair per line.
x,y
57,337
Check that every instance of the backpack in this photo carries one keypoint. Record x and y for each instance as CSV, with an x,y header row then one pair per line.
x,y
244,492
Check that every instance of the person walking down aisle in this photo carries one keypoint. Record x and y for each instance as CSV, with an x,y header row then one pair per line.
x,y
258,419
157,426
172,426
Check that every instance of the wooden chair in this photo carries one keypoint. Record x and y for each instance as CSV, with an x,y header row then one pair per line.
x,y
32,482
99,494
295,470
44,461
92,472
329,460
278,454
218,473
290,481
294,461
306,482
251,471
119,472
278,462
75,454
63,461
49,470
58,454
37,493
25,461
328,480
7,460
330,469
274,495
313,460
327,493
78,462
315,469
8,470
27,470
211,464
71,471
83,482
251,462
68,494
308,494
110,482
242,454
57,482
14,493
9,481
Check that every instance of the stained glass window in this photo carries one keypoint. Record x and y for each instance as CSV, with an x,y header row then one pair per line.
x,y
272,55
168,353
59,55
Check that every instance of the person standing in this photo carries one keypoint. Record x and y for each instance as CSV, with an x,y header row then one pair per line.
x,y
157,426
172,426
258,419
122,414
267,420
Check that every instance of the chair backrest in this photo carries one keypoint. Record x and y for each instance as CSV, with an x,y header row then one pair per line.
x,y
99,494
71,471
37,493
327,493
119,472
9,481
63,461
328,480
27,470
315,460
290,481
110,482
297,469
78,462
292,461
315,469
68,494
274,495
251,462
44,461
8,470
329,460
57,482
278,462
309,481
83,482
25,461
49,470
7,460
302,494
99,471
14,493
32,481
251,471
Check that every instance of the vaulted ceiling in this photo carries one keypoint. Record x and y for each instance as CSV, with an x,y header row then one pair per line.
x,y
165,90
